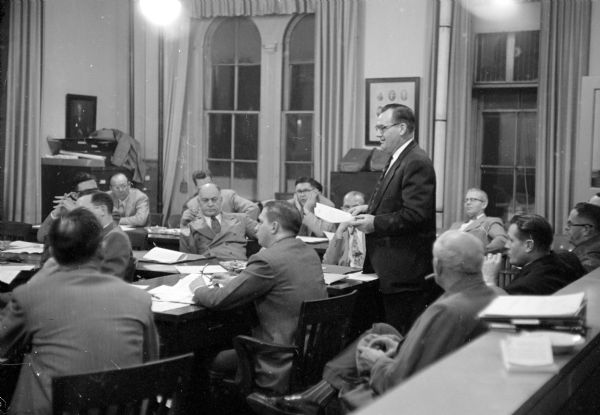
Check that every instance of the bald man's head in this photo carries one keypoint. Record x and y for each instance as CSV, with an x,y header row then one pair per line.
x,y
457,254
209,199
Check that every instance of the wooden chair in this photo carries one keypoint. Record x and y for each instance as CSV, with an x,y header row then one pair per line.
x,y
138,240
156,219
150,388
323,331
15,231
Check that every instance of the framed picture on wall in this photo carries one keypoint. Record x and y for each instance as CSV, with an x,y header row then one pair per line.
x,y
383,91
81,116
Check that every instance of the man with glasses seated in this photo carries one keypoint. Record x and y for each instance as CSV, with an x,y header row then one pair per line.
x,y
131,204
489,230
83,183
542,272
308,193
583,228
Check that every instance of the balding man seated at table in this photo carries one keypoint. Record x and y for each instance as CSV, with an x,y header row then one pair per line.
x,y
131,205
217,233
381,359
583,228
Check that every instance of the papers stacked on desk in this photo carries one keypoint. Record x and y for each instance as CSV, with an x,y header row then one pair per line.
x,y
312,239
166,297
22,247
533,312
168,256
9,272
528,352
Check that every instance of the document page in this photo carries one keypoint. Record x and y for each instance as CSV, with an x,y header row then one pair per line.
x,y
164,256
9,272
528,352
330,278
331,214
534,306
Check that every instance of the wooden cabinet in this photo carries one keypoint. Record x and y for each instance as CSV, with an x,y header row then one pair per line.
x,y
342,183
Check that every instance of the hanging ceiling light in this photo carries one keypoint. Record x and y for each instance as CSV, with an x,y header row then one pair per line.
x,y
161,12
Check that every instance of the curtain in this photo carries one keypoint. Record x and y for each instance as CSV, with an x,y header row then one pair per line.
x,y
336,83
213,8
22,193
458,151
176,56
564,56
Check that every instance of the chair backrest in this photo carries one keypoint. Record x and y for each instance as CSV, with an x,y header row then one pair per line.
x,y
138,240
154,387
174,221
156,219
323,331
15,231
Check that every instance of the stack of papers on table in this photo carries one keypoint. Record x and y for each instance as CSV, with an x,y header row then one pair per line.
x,y
22,247
330,278
168,256
528,353
359,276
332,215
312,239
178,293
555,312
9,272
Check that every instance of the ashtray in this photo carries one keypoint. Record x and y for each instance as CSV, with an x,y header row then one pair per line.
x,y
234,265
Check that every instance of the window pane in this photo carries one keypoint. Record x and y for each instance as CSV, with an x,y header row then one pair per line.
x,y
298,137
498,139
302,87
526,55
244,180
501,99
223,43
525,191
491,57
222,87
248,42
221,173
528,98
302,41
498,184
526,140
246,136
293,171
249,88
219,133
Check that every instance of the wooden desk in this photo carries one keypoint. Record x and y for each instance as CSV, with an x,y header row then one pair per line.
x,y
473,379
23,276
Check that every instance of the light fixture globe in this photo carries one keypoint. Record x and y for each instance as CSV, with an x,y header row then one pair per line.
x,y
160,12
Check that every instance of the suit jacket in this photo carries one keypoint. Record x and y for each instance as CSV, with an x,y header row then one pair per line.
x,y
399,249
487,229
229,243
588,253
277,280
70,321
115,251
546,275
232,203
134,210
446,325
338,250
311,224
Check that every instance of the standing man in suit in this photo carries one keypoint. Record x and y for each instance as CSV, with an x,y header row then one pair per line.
x,y
488,229
347,247
75,319
399,221
131,205
216,232
231,202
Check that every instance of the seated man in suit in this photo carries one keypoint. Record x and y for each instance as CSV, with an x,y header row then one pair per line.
x,y
216,232
543,272
308,193
75,319
83,183
277,280
380,359
488,229
347,247
583,228
231,201
131,205
115,254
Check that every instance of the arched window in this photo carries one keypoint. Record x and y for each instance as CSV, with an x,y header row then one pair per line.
x,y
298,100
233,104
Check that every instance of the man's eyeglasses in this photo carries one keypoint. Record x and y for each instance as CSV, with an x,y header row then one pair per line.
x,y
383,128
302,191
472,199
571,224
120,187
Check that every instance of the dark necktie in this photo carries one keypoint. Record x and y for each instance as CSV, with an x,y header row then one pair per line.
x,y
215,225
378,185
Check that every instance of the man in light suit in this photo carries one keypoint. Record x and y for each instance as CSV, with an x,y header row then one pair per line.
x,y
399,220
347,247
115,254
75,319
216,232
231,202
489,230
277,280
130,204
373,364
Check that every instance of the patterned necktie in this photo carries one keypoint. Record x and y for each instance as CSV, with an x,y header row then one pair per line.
x,y
356,254
378,185
215,225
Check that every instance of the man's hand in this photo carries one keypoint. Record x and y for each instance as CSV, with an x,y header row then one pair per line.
x,y
311,201
196,283
491,267
357,210
365,223
369,356
63,204
339,232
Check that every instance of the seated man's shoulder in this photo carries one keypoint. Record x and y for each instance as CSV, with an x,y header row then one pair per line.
x,y
138,194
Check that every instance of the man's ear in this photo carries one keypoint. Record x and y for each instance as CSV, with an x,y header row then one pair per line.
x,y
274,227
